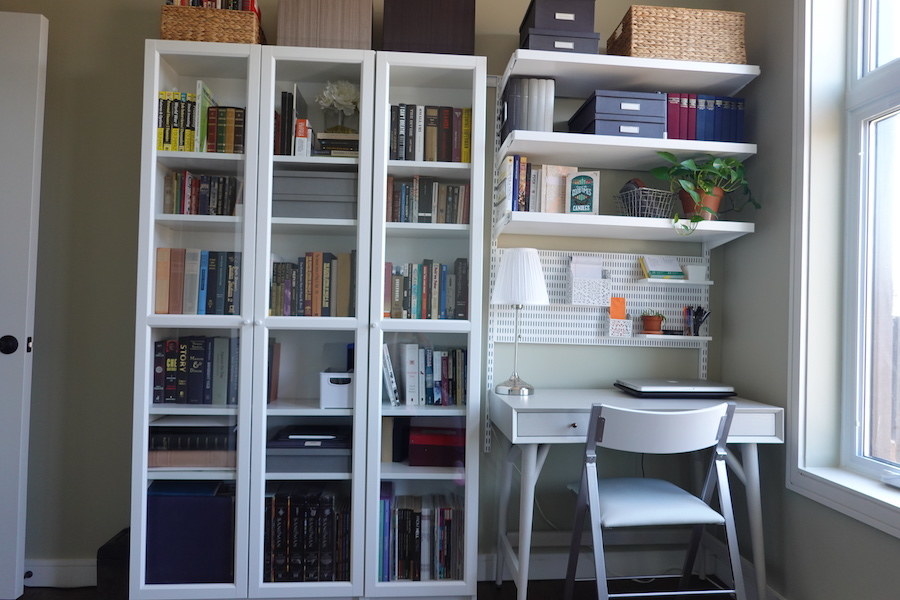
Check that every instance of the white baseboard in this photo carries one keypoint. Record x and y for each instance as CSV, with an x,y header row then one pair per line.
x,y
62,572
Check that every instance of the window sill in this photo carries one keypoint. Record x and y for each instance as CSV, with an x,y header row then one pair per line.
x,y
863,498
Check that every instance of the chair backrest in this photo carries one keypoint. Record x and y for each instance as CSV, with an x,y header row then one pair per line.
x,y
659,431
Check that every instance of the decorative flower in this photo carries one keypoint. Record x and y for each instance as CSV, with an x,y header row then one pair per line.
x,y
341,95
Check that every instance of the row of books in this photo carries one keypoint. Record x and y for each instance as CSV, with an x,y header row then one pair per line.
x,y
427,290
523,185
223,4
191,281
426,376
319,284
306,533
194,122
421,537
195,369
705,117
187,193
430,133
424,199
528,103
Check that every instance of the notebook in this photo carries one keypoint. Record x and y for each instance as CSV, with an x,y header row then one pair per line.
x,y
674,388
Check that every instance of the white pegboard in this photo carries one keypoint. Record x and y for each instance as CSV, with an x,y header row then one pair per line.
x,y
562,323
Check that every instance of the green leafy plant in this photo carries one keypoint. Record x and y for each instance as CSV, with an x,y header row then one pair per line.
x,y
653,313
696,176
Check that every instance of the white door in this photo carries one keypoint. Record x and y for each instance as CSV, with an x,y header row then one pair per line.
x,y
23,65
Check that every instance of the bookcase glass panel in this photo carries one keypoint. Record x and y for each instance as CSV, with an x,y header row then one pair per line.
x,y
190,531
309,79
306,531
195,369
412,361
298,357
437,513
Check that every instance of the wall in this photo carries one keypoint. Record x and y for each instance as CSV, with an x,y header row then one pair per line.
x,y
81,414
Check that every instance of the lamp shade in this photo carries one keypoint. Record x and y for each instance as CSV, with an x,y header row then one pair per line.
x,y
520,279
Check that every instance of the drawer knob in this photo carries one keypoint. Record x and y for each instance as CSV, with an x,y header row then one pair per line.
x,y
574,425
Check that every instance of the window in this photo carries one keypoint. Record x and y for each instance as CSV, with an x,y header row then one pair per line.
x,y
872,284
846,261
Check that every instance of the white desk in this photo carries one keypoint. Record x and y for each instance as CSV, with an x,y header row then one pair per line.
x,y
559,416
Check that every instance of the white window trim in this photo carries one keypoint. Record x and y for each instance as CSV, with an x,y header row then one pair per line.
x,y
814,466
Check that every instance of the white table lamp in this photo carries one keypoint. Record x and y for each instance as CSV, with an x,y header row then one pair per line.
x,y
520,281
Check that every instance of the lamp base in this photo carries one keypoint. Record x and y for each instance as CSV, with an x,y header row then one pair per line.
x,y
515,386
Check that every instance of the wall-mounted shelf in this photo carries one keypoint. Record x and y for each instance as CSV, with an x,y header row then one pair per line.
x,y
609,151
710,233
577,75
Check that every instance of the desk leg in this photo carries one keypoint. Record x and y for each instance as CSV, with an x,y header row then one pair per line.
x,y
526,516
754,508
503,510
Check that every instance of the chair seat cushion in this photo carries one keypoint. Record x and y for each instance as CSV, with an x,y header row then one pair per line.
x,y
636,501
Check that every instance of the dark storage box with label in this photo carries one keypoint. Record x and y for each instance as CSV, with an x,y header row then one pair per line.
x,y
612,112
315,195
566,15
559,41
439,26
612,125
309,449
437,446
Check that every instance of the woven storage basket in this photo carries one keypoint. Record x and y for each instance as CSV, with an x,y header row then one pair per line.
x,y
210,25
645,202
681,34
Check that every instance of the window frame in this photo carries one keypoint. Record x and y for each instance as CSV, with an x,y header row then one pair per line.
x,y
820,302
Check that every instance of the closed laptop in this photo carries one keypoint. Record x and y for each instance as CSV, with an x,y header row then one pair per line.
x,y
674,388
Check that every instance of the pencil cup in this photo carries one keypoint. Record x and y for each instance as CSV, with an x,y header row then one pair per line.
x,y
620,328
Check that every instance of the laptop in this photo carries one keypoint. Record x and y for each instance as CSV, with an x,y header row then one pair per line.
x,y
674,388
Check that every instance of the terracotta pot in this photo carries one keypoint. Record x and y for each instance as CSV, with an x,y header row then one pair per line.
x,y
652,323
710,201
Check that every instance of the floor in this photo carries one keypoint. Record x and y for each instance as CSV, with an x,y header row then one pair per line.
x,y
487,590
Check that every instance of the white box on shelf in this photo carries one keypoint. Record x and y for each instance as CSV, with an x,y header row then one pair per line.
x,y
335,389
620,327
586,284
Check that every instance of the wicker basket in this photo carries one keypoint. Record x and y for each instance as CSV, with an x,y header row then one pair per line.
x,y
210,25
645,202
681,34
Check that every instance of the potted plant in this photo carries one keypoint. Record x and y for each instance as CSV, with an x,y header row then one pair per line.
x,y
652,321
702,183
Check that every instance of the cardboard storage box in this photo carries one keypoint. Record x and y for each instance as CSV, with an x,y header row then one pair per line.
x,y
437,446
439,26
325,23
336,390
561,15
314,195
559,41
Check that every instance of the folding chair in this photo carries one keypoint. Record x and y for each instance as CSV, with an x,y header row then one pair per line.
x,y
646,502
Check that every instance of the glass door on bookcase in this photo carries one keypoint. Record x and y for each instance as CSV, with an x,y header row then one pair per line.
x,y
313,247
192,384
426,297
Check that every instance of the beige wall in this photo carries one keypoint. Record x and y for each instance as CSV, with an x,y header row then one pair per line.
x,y
81,414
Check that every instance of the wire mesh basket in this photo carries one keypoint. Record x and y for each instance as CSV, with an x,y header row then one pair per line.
x,y
645,202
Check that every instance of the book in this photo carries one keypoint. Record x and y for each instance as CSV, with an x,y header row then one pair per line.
x,y
388,376
161,289
673,116
660,267
445,134
176,280
581,192
431,133
191,287
410,361
204,100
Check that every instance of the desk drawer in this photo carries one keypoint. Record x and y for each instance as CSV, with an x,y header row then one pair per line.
x,y
754,425
552,424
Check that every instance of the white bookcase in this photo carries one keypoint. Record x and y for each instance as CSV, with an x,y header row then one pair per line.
x,y
221,509
431,80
